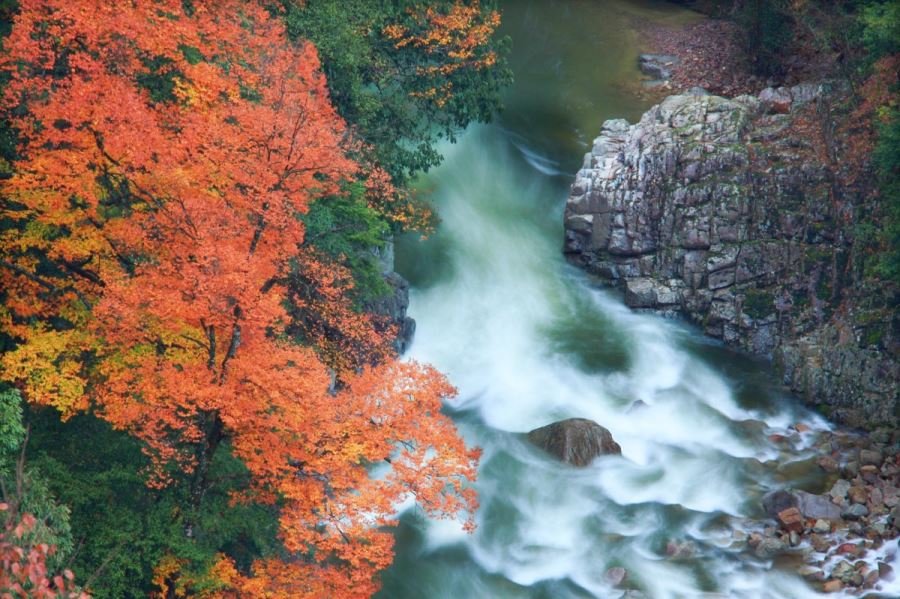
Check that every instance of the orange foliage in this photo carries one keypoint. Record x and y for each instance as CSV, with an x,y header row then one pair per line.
x,y
162,231
172,579
457,38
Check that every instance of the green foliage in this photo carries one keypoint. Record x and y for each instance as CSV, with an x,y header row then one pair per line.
x,y
767,32
874,335
373,83
346,230
123,528
7,9
881,37
53,525
881,28
12,432
159,79
26,488
758,303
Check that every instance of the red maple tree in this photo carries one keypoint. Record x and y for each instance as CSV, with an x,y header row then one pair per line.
x,y
168,153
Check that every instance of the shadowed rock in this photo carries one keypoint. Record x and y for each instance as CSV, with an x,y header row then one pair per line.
x,y
576,441
778,501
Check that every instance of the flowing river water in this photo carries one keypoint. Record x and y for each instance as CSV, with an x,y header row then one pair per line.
x,y
528,340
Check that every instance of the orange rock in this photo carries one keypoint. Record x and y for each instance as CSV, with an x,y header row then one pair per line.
x,y
791,519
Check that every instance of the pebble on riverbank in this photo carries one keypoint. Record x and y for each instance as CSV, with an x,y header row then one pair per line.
x,y
848,552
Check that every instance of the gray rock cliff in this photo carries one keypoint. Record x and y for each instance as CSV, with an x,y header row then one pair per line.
x,y
731,212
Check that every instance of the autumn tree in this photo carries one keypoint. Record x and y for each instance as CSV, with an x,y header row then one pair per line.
x,y
168,154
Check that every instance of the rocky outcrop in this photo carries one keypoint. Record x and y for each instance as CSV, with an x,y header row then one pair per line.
x,y
392,306
576,441
738,214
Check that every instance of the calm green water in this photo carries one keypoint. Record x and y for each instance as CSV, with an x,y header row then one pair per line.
x,y
529,340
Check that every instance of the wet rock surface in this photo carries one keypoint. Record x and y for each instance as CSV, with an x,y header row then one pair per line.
x,y
723,211
576,441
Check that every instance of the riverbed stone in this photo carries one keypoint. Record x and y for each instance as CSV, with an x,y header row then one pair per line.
x,y
828,464
770,547
657,66
820,543
811,573
858,494
891,495
679,550
855,512
869,473
870,457
817,506
870,580
839,489
576,441
790,519
844,571
894,517
876,497
822,526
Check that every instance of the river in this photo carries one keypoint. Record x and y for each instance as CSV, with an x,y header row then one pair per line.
x,y
528,339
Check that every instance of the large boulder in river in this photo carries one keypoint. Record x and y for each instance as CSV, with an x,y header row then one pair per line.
x,y
576,441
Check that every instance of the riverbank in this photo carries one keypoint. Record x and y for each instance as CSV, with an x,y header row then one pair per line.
x,y
710,53
707,55
845,537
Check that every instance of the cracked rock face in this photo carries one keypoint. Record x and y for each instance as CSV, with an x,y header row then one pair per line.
x,y
719,209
